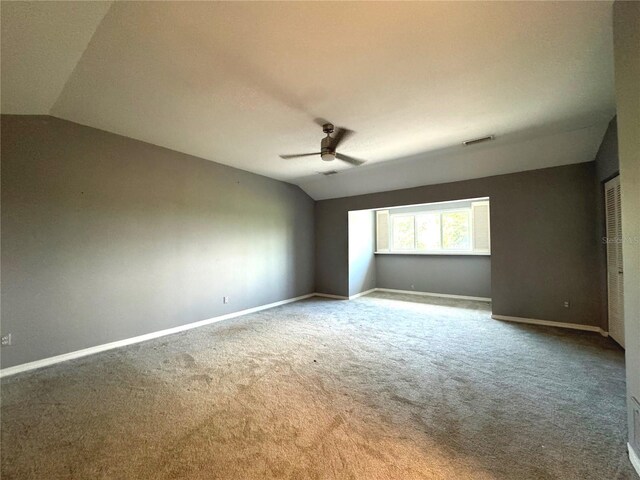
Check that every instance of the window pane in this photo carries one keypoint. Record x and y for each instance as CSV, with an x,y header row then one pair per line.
x,y
403,233
428,231
456,231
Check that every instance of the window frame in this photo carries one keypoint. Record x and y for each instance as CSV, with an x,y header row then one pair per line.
x,y
469,212
415,228
392,250
392,219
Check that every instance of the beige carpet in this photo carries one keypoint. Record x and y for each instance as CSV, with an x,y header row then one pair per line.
x,y
385,386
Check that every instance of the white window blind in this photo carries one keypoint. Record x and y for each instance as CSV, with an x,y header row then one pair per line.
x,y
481,227
382,230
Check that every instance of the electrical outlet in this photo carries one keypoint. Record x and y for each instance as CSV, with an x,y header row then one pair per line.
x,y
6,340
567,304
225,299
413,287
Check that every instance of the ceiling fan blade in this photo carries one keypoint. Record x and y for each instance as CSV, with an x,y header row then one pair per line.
x,y
348,159
298,155
339,136
320,121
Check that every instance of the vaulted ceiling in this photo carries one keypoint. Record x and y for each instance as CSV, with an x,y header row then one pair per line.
x,y
240,83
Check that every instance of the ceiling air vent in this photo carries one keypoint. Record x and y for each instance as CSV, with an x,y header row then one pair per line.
x,y
466,143
330,172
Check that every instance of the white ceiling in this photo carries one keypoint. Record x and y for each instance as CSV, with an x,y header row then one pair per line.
x,y
507,154
240,83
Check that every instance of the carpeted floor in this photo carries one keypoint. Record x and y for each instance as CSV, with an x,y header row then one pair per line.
x,y
384,386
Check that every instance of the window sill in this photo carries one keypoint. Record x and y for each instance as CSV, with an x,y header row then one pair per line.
x,y
450,254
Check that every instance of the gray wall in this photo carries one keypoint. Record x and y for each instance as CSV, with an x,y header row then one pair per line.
x,y
105,238
607,167
607,162
626,36
543,231
362,268
468,275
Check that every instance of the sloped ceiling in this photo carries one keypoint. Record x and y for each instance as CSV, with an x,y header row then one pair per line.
x,y
240,83
42,43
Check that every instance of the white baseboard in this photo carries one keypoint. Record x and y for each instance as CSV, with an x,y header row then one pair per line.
x,y
411,292
331,295
429,294
550,323
362,294
45,362
5,372
634,457
531,321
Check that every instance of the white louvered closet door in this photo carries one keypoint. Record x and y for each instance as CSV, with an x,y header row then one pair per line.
x,y
614,259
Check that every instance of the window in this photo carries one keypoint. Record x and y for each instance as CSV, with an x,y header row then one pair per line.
x,y
456,230
451,228
428,227
403,232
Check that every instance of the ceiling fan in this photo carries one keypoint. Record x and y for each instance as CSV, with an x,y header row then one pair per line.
x,y
329,145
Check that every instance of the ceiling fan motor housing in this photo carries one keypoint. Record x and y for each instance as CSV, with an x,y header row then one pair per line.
x,y
327,153
327,128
